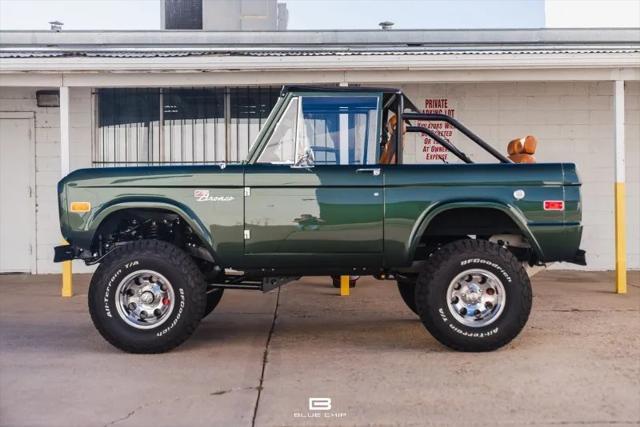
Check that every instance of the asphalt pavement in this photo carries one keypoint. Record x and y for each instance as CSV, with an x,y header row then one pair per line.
x,y
259,359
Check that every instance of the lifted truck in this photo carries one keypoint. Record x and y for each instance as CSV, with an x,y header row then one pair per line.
x,y
322,192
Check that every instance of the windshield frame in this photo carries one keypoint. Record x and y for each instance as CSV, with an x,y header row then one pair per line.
x,y
285,99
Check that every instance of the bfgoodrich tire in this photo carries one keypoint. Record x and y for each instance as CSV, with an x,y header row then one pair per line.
x,y
147,296
473,295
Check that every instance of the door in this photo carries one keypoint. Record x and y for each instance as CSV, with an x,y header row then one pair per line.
x,y
315,193
17,211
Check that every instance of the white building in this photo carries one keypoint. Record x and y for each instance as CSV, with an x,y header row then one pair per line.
x,y
197,96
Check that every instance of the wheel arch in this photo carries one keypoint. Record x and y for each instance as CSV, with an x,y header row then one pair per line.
x,y
434,212
118,206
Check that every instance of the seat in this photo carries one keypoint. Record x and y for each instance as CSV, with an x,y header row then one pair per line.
x,y
388,155
521,150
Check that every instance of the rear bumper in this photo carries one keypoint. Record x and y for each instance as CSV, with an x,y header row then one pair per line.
x,y
580,258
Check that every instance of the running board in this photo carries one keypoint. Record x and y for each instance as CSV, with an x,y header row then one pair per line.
x,y
265,285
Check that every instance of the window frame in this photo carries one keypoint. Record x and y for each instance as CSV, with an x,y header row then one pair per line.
x,y
281,106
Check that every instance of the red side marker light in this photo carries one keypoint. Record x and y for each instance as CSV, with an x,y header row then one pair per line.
x,y
553,205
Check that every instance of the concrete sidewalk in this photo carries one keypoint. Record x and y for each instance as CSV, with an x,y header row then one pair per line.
x,y
576,362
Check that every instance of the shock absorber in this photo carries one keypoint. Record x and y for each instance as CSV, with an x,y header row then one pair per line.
x,y
152,230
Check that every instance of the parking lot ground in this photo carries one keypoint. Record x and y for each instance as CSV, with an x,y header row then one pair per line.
x,y
576,362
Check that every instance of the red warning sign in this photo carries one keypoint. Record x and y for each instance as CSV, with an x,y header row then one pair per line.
x,y
432,150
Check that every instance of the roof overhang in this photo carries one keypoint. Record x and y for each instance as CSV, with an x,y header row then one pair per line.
x,y
187,57
476,37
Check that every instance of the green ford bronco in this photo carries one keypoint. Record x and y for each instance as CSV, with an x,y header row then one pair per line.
x,y
323,192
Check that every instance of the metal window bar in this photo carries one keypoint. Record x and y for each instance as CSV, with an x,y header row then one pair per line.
x,y
156,126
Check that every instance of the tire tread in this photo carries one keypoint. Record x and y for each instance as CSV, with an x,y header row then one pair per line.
x,y
435,262
193,278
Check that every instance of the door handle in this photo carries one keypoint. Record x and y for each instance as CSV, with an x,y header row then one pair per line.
x,y
372,171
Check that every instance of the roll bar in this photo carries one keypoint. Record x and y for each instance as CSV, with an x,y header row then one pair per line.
x,y
432,117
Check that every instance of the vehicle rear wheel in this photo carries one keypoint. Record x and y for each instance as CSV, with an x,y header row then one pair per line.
x,y
214,295
473,295
407,288
352,281
147,296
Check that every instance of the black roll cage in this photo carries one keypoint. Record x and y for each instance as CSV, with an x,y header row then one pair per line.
x,y
433,117
401,102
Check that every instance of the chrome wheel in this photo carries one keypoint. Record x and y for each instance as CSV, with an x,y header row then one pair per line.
x,y
145,299
476,298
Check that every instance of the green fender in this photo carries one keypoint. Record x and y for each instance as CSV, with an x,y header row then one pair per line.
x,y
434,210
159,203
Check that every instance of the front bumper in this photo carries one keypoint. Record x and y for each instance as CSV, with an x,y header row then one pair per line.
x,y
64,253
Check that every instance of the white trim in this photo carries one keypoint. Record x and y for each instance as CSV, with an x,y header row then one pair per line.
x,y
241,78
618,107
64,131
31,231
328,62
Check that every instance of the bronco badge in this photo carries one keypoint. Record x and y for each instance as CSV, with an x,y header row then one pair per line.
x,y
204,196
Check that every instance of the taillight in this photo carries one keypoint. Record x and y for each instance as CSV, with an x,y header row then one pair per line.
x,y
554,205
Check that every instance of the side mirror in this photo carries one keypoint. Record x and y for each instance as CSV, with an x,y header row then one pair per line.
x,y
306,160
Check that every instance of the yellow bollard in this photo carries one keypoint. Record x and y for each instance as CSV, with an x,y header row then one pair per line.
x,y
344,286
67,279
621,244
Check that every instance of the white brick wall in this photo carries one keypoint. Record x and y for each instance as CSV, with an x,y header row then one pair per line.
x,y
47,144
573,123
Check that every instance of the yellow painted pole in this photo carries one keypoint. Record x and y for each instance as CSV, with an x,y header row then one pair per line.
x,y
621,240
344,286
621,229
67,278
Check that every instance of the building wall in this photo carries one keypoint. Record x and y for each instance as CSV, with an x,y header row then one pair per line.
x,y
573,122
47,149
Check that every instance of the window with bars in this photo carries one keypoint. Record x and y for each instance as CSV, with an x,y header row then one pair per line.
x,y
177,125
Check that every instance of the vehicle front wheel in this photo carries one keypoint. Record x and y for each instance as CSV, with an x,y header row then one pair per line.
x,y
147,296
473,295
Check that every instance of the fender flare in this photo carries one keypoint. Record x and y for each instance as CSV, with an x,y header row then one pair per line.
x,y
158,203
434,210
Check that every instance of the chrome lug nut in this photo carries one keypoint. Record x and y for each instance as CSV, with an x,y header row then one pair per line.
x,y
143,314
157,312
132,306
463,311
